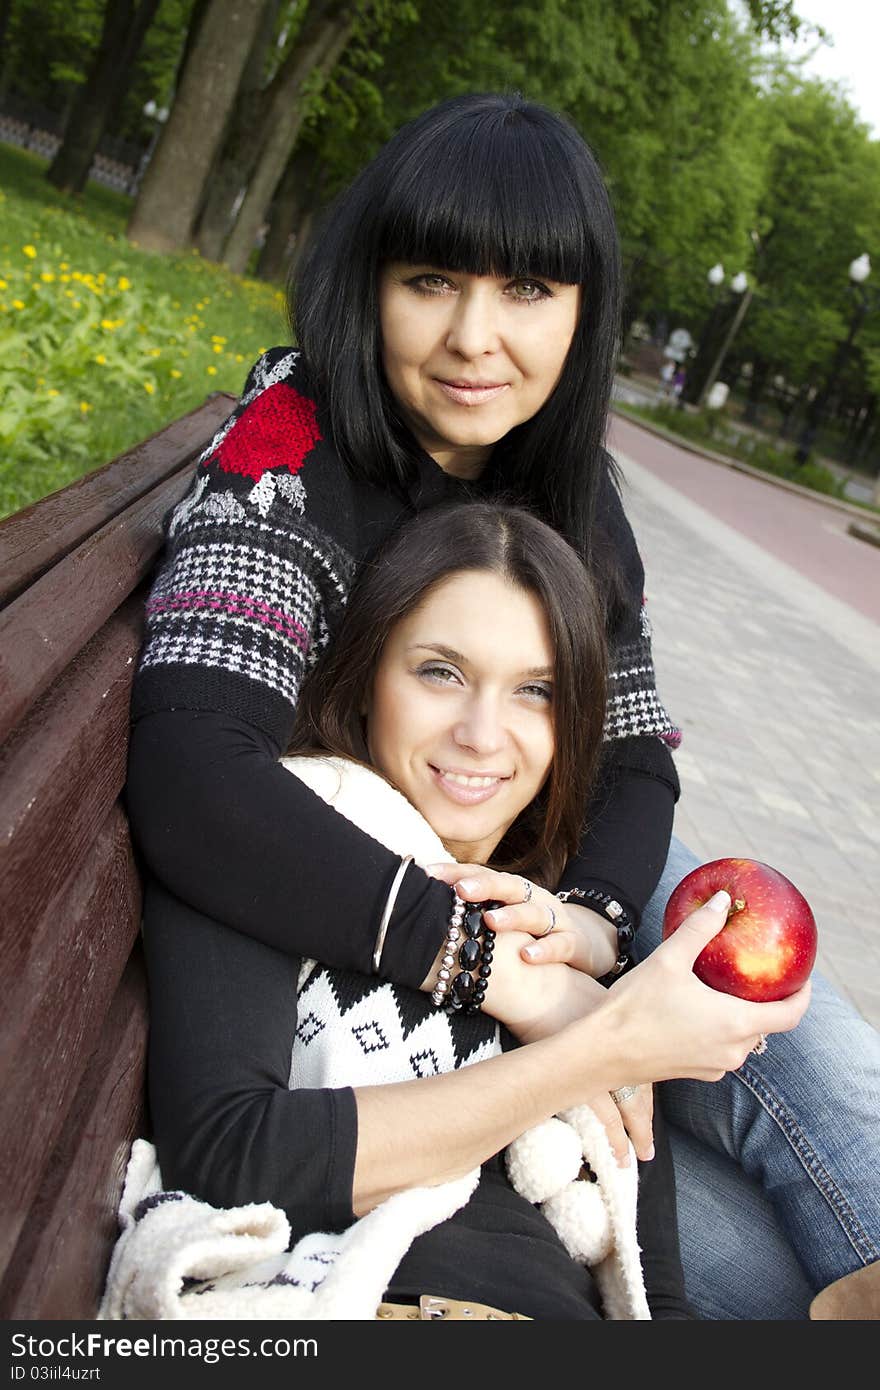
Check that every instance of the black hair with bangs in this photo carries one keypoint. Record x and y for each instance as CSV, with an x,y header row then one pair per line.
x,y
483,184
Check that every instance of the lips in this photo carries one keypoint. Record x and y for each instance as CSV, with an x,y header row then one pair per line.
x,y
472,392
468,789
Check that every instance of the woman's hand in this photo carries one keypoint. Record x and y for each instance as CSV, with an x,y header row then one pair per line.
x,y
580,938
660,1021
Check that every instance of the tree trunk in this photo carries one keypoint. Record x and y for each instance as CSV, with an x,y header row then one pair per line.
x,y
5,16
294,201
172,188
319,45
237,155
123,32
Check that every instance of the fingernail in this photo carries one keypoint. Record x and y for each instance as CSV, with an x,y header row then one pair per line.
x,y
497,917
532,952
467,886
435,868
650,1154
720,902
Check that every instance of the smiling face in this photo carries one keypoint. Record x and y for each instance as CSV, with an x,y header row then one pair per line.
x,y
460,713
469,357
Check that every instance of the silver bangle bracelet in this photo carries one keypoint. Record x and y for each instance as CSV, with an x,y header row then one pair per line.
x,y
389,908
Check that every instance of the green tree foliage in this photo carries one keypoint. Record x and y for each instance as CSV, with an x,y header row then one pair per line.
x,y
819,208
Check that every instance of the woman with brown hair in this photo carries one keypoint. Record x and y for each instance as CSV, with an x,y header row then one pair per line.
x,y
469,672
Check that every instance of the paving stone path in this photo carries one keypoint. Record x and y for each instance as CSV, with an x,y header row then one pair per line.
x,y
776,685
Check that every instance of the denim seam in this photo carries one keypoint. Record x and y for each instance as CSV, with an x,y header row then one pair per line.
x,y
852,1228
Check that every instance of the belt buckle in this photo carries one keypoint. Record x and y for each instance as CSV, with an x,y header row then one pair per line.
x,y
431,1308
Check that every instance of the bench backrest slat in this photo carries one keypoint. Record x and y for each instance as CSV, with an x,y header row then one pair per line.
x,y
35,539
45,627
63,770
59,1265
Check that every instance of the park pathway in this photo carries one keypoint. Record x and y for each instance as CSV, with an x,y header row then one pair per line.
x,y
767,646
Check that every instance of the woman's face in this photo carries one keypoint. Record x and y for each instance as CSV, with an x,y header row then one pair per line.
x,y
460,713
468,357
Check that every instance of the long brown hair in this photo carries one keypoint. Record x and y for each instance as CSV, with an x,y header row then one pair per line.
x,y
515,545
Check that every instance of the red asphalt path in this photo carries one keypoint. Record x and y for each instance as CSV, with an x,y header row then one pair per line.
x,y
809,536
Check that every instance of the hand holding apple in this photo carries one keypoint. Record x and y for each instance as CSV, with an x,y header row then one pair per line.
x,y
767,948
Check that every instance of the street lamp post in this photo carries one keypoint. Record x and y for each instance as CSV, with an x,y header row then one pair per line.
x,y
865,299
738,284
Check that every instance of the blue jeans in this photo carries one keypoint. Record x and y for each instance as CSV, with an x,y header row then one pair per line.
x,y
777,1165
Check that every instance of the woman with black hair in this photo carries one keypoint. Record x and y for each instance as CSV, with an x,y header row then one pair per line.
x,y
457,322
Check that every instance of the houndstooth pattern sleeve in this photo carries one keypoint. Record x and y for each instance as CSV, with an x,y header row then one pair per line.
x,y
257,571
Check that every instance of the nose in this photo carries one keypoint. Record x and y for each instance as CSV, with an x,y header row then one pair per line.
x,y
481,729
473,328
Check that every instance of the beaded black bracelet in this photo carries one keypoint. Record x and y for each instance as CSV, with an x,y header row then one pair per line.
x,y
617,915
470,944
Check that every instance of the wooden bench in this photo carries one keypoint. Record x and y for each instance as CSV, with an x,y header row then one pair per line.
x,y
74,570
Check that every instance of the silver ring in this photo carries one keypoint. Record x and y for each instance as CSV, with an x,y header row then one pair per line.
x,y
760,1046
548,930
527,889
625,1093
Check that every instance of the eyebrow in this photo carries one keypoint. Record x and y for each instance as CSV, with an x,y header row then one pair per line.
x,y
533,672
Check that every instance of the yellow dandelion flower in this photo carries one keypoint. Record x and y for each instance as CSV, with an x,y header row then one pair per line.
x,y
109,324
149,388
41,381
239,357
30,252
77,304
215,338
64,265
102,277
155,352
69,294
175,373
217,347
64,279
3,285
76,275
52,391
84,407
101,359
47,276
212,371
123,283
18,303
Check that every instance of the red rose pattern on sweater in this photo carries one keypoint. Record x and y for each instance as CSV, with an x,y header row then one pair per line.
x,y
277,430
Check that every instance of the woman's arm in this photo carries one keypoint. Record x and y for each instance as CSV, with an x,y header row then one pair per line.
x,y
230,832
228,1129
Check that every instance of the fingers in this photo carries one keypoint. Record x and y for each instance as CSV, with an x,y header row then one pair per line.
x,y
637,1114
607,1113
534,912
559,948
782,1015
698,929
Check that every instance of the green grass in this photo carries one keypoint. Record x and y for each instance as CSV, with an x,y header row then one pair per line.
x,y
101,343
722,436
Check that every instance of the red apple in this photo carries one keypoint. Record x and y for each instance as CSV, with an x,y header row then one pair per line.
x,y
767,948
